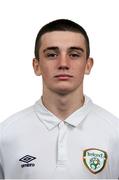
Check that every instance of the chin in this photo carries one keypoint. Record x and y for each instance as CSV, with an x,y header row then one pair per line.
x,y
63,91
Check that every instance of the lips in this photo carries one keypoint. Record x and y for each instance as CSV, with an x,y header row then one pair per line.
x,y
63,76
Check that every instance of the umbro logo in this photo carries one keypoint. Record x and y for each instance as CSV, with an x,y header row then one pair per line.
x,y
27,159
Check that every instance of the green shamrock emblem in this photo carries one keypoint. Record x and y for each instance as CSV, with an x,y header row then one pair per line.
x,y
94,163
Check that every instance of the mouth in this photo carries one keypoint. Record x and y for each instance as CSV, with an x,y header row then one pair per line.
x,y
63,76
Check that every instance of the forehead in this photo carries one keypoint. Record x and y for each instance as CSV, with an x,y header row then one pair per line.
x,y
63,39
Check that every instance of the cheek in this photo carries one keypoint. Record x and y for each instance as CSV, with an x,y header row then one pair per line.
x,y
80,70
46,73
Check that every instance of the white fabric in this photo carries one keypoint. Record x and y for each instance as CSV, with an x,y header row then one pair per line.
x,y
56,146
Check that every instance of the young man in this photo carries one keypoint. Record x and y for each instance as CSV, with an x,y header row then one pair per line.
x,y
63,135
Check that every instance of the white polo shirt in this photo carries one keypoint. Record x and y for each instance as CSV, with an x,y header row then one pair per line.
x,y
34,143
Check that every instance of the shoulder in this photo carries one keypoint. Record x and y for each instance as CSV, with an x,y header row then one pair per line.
x,y
105,115
17,118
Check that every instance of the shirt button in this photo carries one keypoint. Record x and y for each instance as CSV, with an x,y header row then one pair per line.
x,y
61,124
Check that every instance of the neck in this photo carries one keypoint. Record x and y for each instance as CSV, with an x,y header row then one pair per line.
x,y
63,106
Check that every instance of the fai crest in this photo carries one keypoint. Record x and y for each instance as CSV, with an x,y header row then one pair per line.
x,y
94,159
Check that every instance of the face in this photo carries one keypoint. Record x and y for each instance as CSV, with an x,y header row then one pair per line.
x,y
62,61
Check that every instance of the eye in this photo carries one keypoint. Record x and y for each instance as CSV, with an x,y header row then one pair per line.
x,y
51,55
74,55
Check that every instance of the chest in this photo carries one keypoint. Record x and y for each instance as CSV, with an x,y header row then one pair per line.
x,y
64,152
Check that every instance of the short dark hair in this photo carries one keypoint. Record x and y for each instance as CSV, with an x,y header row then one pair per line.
x,y
61,25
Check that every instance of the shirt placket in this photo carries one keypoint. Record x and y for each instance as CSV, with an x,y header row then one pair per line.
x,y
62,144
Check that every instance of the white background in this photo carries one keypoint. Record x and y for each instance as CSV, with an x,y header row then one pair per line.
x,y
20,21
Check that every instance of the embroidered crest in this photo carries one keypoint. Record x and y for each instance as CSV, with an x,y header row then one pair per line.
x,y
94,159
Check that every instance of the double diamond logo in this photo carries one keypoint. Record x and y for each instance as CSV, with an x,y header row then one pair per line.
x,y
27,159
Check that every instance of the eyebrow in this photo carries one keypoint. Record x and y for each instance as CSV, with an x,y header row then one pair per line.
x,y
57,48
51,48
76,48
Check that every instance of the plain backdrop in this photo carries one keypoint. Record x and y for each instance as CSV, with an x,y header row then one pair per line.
x,y
20,21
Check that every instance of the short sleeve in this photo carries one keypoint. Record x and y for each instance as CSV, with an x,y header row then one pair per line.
x,y
1,168
1,172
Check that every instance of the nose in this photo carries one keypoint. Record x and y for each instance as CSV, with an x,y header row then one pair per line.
x,y
63,62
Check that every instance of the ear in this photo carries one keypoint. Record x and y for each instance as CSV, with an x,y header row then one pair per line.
x,y
36,67
89,65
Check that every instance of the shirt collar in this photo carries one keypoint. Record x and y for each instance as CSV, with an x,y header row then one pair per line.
x,y
50,120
